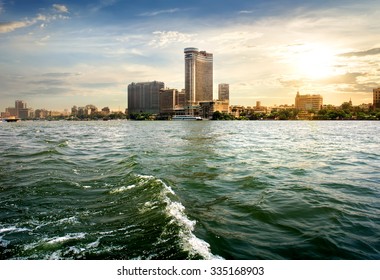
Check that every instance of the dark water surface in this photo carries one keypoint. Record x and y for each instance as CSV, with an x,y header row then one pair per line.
x,y
190,190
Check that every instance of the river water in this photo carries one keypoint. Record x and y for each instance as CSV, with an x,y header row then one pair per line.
x,y
190,190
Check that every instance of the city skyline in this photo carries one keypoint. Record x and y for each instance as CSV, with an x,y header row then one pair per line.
x,y
59,53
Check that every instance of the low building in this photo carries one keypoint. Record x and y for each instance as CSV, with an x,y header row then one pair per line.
x,y
206,109
222,106
308,102
41,114
25,113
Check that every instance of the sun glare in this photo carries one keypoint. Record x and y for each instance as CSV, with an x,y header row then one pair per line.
x,y
314,62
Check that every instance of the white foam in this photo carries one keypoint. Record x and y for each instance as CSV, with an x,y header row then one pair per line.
x,y
67,237
70,220
122,189
191,243
4,243
12,229
176,210
94,244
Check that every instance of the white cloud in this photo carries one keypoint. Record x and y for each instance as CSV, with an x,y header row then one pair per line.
x,y
61,8
102,4
245,12
164,38
42,41
10,26
235,41
6,27
155,13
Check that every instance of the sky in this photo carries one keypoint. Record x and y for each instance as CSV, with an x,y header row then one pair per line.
x,y
57,54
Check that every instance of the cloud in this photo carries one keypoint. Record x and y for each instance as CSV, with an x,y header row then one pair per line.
x,y
49,82
42,41
155,13
364,88
47,90
10,26
374,51
61,8
6,27
291,83
245,12
61,75
348,78
164,38
102,4
234,41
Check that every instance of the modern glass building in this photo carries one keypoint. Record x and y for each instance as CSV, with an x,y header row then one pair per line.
x,y
198,76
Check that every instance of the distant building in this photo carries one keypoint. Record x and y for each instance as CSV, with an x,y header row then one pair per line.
x,y
171,100
376,98
74,110
25,113
198,77
206,109
222,106
258,104
144,97
106,111
41,114
308,102
236,110
11,112
223,91
20,105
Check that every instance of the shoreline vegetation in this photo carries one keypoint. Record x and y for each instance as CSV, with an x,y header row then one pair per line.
x,y
344,112
349,113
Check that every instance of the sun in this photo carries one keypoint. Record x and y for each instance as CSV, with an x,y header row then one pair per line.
x,y
314,62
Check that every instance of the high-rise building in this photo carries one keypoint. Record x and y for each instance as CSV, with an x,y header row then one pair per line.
x,y
308,102
20,105
198,76
376,98
223,92
144,97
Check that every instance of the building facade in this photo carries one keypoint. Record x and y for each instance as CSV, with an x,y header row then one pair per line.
x,y
198,76
222,106
144,97
308,102
376,98
223,92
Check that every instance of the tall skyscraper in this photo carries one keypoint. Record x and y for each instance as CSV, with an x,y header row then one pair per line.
x,y
376,98
223,92
198,76
144,97
308,102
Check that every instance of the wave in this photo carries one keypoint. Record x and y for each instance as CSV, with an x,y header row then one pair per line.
x,y
163,194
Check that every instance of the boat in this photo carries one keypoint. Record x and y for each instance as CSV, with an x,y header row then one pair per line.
x,y
11,119
186,118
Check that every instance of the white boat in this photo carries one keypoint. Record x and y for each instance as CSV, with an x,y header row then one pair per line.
x,y
186,118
